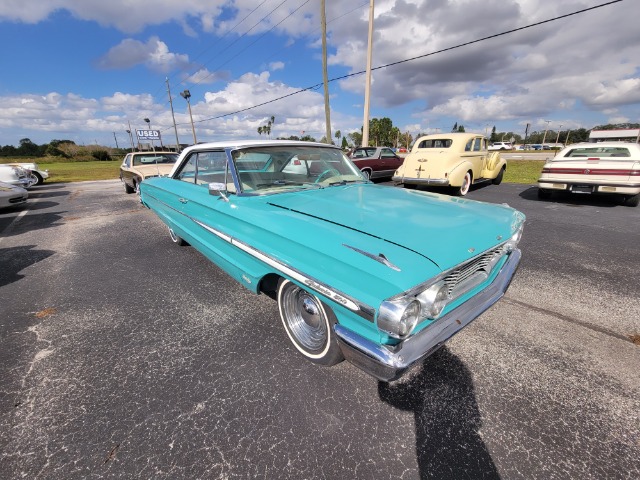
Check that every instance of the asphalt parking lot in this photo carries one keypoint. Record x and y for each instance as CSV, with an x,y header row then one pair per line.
x,y
125,356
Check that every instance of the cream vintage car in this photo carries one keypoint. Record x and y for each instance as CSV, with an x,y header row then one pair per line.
x,y
606,167
137,166
455,160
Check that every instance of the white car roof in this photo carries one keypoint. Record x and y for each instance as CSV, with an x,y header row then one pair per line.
x,y
233,144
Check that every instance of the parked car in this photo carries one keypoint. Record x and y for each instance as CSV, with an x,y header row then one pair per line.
x,y
500,146
38,175
455,160
378,275
137,166
15,176
376,162
589,168
12,195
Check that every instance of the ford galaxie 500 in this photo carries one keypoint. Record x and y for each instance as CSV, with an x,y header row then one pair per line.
x,y
375,274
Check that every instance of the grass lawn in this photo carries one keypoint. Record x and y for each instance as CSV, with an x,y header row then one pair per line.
x,y
518,171
81,171
523,171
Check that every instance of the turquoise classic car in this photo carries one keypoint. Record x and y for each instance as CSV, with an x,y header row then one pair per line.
x,y
375,274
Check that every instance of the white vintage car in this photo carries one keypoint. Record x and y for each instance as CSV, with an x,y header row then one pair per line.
x,y
456,160
587,168
15,175
38,175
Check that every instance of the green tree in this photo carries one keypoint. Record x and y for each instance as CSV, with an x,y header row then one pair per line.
x,y
338,134
455,127
356,138
345,144
493,137
381,132
461,128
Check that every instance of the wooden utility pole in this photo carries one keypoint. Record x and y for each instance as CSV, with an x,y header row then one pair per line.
x,y
327,113
367,87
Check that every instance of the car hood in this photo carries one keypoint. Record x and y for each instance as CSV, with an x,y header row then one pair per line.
x,y
445,230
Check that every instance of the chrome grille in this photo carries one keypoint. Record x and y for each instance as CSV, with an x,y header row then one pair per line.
x,y
472,273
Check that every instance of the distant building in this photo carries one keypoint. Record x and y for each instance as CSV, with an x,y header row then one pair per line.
x,y
623,135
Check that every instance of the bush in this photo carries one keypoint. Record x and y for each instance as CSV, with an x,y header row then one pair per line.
x,y
101,155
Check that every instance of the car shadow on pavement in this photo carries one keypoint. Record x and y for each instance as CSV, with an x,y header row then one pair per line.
x,y
16,259
575,199
440,393
47,194
30,222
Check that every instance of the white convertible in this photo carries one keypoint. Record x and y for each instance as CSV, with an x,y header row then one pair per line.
x,y
606,167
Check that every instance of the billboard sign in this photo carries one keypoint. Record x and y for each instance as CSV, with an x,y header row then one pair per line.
x,y
148,134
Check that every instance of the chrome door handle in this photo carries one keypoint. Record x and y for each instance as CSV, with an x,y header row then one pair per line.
x,y
183,200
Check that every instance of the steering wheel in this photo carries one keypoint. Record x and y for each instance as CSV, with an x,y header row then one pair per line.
x,y
329,172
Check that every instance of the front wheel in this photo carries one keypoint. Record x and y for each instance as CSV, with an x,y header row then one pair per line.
x,y
498,179
463,189
308,323
127,188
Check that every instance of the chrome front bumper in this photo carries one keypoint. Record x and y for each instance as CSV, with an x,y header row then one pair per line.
x,y
388,363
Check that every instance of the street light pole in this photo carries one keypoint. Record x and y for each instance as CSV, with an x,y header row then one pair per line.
x,y
545,132
153,147
130,138
558,137
187,95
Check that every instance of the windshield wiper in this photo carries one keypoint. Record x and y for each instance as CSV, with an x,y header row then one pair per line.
x,y
343,182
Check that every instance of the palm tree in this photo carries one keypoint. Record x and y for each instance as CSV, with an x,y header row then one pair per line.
x,y
260,130
338,134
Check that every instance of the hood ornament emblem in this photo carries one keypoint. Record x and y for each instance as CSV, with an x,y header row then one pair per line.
x,y
381,258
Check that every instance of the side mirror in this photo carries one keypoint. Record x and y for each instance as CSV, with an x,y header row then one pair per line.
x,y
218,190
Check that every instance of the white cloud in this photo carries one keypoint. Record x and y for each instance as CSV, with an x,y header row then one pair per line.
x,y
154,54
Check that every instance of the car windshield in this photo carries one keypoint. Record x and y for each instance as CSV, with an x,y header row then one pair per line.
x,y
152,159
274,169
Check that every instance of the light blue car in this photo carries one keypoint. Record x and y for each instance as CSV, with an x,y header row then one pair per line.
x,y
377,275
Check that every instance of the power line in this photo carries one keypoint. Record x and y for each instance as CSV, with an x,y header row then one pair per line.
x,y
507,32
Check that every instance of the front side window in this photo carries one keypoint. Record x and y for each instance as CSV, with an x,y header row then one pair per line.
x,y
204,168
387,153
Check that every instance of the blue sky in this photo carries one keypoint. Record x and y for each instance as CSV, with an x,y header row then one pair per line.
x,y
86,69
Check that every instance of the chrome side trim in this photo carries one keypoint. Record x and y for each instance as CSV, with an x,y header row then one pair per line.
x,y
362,310
388,363
378,258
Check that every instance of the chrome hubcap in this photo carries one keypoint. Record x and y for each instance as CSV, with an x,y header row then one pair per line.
x,y
304,317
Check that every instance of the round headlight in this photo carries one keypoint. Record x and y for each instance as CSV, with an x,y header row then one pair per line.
x,y
398,318
433,300
512,243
